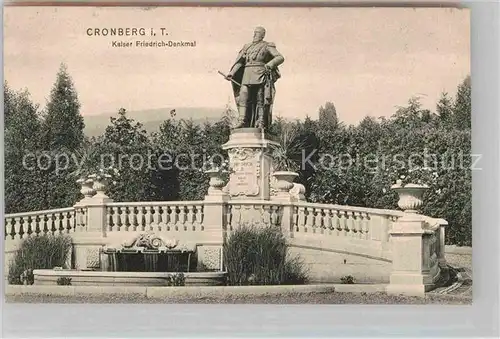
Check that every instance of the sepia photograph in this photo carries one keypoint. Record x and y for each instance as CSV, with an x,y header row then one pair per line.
x,y
237,155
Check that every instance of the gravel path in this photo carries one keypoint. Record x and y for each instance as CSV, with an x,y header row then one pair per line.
x,y
289,298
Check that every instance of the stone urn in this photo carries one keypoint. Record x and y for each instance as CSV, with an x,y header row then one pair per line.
x,y
216,183
100,184
410,196
284,181
87,189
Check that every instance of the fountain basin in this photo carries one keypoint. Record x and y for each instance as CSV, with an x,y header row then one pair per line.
x,y
103,278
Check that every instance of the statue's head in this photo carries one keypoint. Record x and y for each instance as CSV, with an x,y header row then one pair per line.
x,y
259,33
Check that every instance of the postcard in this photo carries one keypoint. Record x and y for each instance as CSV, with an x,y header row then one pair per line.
x,y
237,155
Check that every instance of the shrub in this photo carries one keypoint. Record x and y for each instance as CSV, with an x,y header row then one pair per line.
x,y
176,279
38,252
259,256
65,281
348,279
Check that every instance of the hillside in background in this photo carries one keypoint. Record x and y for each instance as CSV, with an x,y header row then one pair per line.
x,y
95,125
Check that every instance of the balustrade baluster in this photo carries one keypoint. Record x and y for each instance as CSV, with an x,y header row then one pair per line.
x,y
63,220
183,217
121,218
110,222
189,218
141,218
162,217
200,217
57,223
134,220
345,223
128,218
176,213
40,224
169,213
113,217
329,220
366,226
9,229
22,226
318,220
27,228
17,228
295,217
359,225
138,218
36,227
301,224
81,220
354,223
48,224
196,218
147,218
76,220
309,219
9,226
155,226
54,226
70,220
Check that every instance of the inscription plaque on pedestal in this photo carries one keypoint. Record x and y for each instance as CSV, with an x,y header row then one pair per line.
x,y
244,180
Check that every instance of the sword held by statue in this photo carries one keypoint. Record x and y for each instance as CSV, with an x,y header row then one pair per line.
x,y
225,76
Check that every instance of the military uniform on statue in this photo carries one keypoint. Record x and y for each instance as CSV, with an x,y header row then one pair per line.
x,y
253,76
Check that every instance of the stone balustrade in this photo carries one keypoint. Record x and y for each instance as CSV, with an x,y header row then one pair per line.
x,y
163,216
22,225
343,221
404,241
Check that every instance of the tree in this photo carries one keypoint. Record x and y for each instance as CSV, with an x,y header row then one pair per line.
x,y
63,125
61,135
462,107
445,109
328,116
22,175
127,148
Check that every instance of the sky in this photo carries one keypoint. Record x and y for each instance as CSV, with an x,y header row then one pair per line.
x,y
366,61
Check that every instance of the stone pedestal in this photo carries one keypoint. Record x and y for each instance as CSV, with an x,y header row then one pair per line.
x,y
250,162
410,263
214,221
87,244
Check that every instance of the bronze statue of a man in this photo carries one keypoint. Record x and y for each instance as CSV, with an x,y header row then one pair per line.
x,y
256,69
